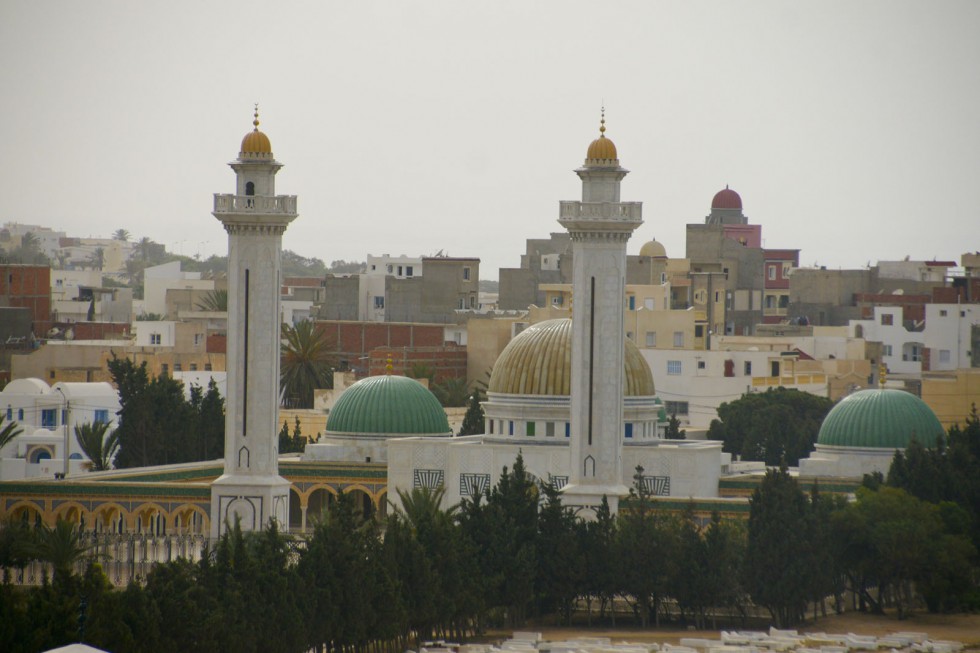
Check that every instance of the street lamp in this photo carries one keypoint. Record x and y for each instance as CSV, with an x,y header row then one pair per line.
x,y
64,419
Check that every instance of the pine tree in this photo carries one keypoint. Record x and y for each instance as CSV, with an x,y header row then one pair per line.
x,y
473,420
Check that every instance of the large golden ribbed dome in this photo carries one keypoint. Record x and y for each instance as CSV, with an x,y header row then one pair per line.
x,y
256,142
538,361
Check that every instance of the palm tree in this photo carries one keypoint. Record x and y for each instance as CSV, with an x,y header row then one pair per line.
x,y
99,447
97,258
62,546
120,234
423,505
306,363
8,432
215,301
452,392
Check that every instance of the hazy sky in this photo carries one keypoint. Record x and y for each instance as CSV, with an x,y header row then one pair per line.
x,y
851,129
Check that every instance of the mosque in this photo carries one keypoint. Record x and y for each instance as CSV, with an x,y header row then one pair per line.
x,y
573,397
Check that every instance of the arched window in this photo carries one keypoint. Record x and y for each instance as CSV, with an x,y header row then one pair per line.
x,y
250,188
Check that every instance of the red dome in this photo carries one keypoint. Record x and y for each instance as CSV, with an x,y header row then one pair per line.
x,y
726,199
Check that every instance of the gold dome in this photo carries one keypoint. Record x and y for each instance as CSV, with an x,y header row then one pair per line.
x,y
653,249
256,142
602,148
539,362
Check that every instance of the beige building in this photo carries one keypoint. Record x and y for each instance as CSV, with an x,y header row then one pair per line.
x,y
952,395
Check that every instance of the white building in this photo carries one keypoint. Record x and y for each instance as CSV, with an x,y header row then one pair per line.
x,y
48,416
158,279
901,348
155,333
947,335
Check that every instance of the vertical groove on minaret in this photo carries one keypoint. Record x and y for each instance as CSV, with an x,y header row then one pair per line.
x,y
591,353
245,364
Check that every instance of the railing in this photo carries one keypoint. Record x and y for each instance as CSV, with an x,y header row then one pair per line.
x,y
569,210
285,204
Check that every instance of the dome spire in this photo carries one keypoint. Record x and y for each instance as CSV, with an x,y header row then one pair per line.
x,y
255,121
602,121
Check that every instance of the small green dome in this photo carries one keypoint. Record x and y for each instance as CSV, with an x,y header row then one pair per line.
x,y
538,361
884,419
381,405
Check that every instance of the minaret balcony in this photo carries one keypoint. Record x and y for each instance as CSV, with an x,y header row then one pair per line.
x,y
257,204
595,218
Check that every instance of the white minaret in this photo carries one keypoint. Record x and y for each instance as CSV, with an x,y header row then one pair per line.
x,y
599,226
255,218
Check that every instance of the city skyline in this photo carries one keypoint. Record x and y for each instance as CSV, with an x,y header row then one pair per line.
x,y
847,129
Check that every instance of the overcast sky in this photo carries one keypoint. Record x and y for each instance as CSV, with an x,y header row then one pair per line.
x,y
850,129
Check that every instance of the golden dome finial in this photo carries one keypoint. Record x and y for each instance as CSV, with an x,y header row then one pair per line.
x,y
602,122
388,366
255,122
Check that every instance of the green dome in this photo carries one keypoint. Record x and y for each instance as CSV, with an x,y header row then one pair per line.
x,y
538,361
884,419
381,405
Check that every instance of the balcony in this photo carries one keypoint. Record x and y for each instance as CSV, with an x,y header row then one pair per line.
x,y
569,210
259,205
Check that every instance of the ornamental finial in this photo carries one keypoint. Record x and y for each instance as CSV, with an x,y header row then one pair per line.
x,y
602,122
255,122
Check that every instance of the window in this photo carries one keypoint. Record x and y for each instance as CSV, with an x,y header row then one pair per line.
x,y
747,368
786,268
466,274
678,338
193,367
629,429
673,367
101,416
529,429
717,297
207,367
962,313
389,269
472,301
943,313
379,301
178,367
651,338
549,429
698,330
155,339
491,427
49,417
772,272
568,430
556,300
400,270
887,319
943,355
701,365
886,350
20,414
631,302
676,407
510,429
10,414
409,270
64,415
164,368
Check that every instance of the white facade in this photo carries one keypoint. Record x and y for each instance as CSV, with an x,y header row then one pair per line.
x,y
947,334
401,267
902,349
158,279
913,270
155,333
48,416
250,490
693,383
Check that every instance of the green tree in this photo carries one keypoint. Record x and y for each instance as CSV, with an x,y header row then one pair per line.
x,y
473,420
61,545
121,234
452,392
777,567
215,301
307,363
560,556
674,430
97,258
9,431
773,426
98,444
